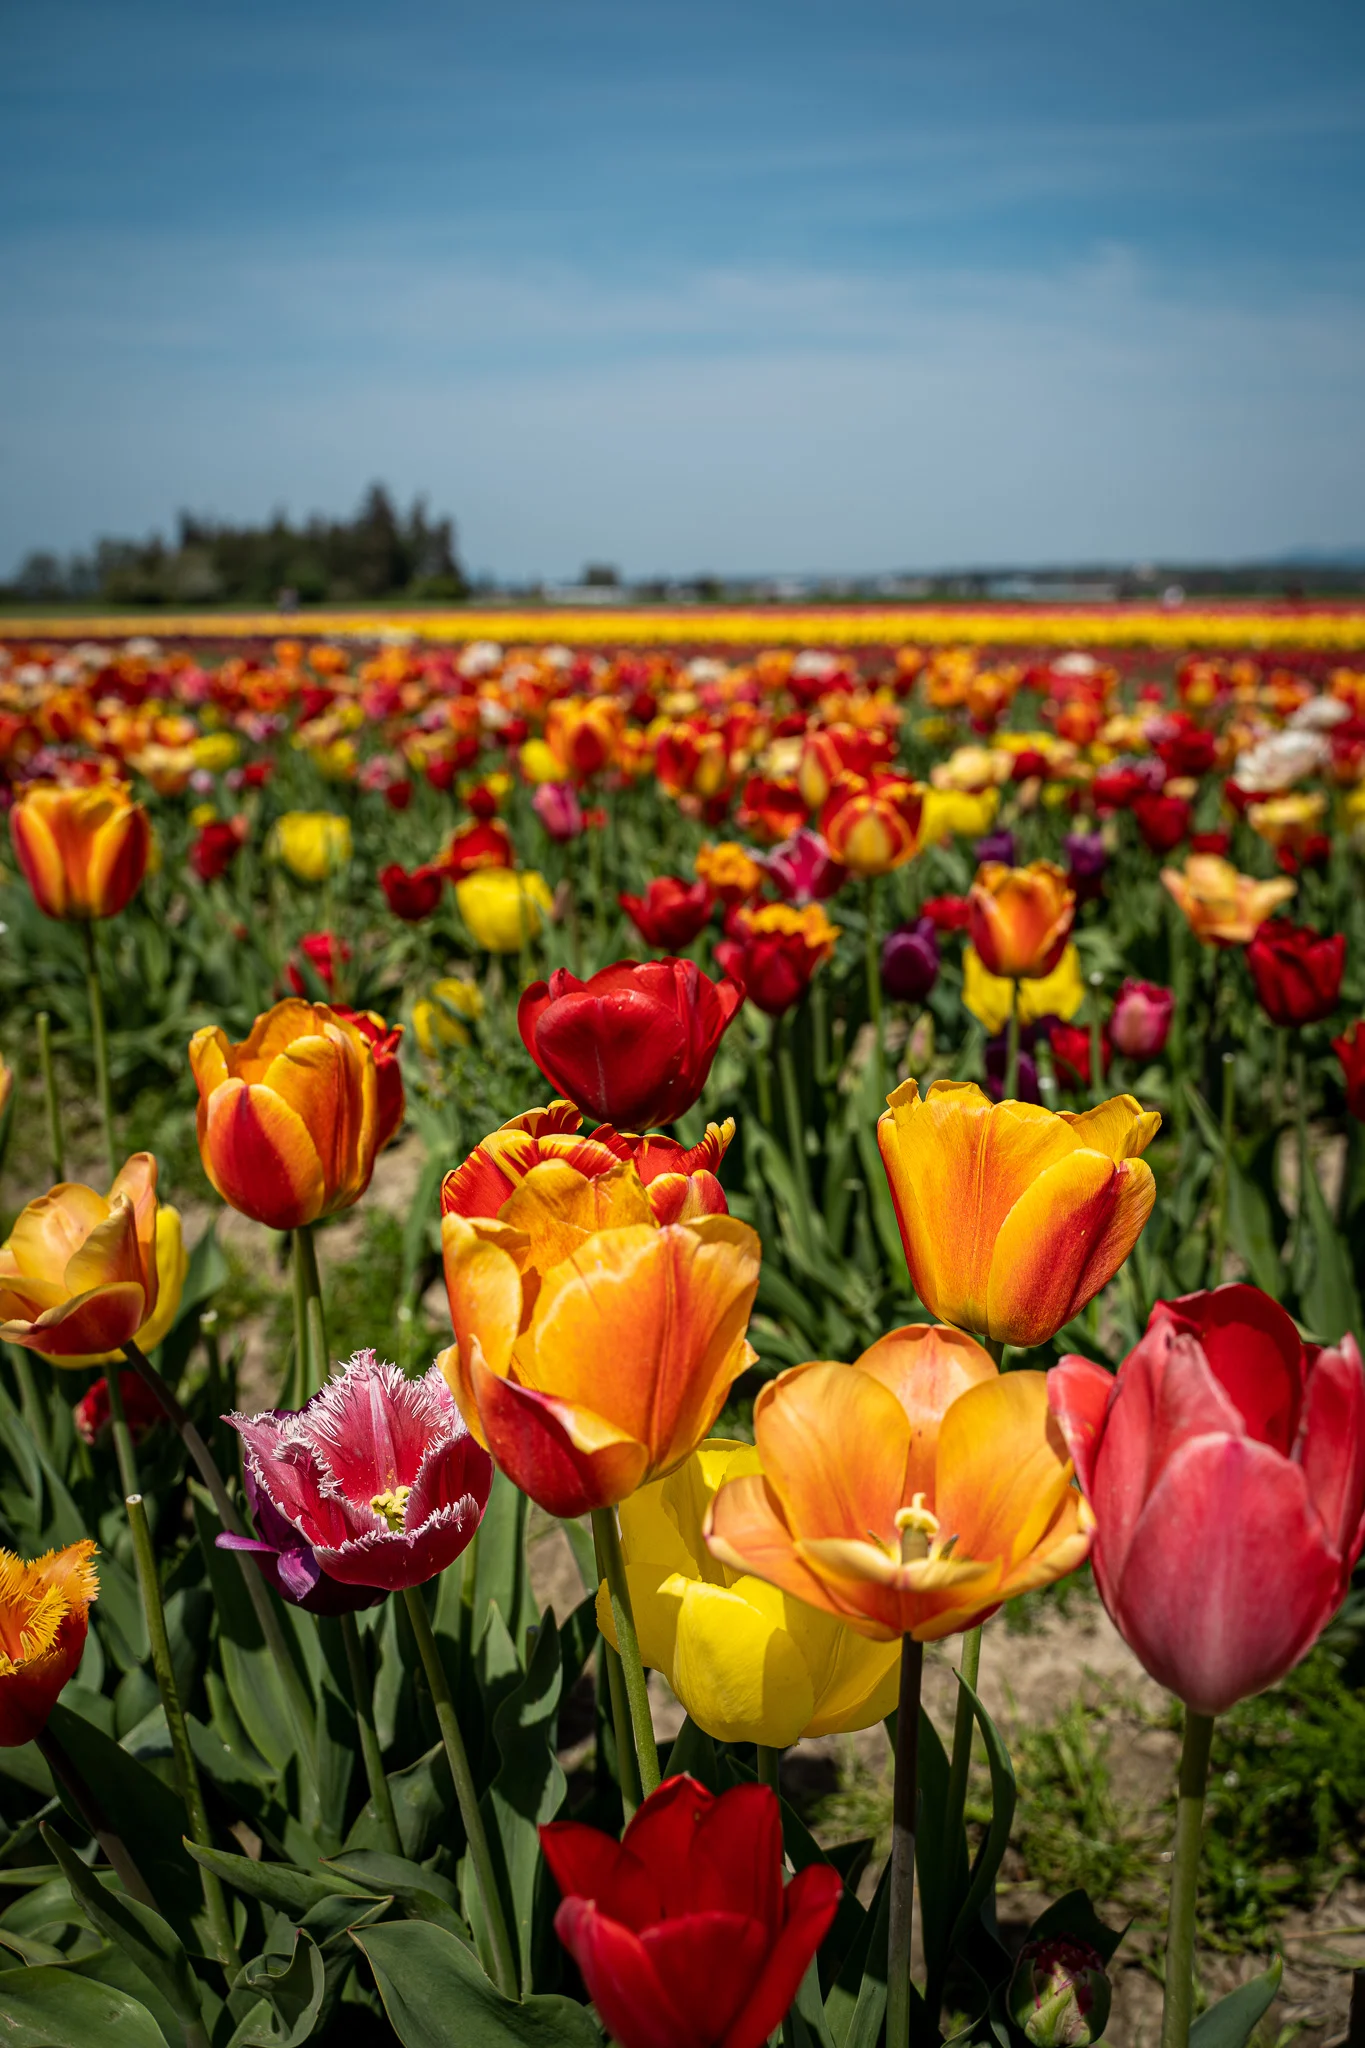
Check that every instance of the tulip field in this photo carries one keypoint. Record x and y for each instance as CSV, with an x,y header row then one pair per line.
x,y
679,1306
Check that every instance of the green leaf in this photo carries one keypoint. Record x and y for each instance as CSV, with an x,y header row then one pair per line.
x,y
1074,1914
435,1993
1003,1797
147,1939
421,1893
501,1576
253,1683
51,2008
1231,2023
1329,1301
528,1789
280,1885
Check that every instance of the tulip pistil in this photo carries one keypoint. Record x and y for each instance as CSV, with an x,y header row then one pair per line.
x,y
392,1505
918,1526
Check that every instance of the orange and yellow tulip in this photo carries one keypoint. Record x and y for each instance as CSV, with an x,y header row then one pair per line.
x,y
83,1274
83,850
292,1120
1224,907
594,1347
871,823
911,1493
1020,918
44,1617
1013,1216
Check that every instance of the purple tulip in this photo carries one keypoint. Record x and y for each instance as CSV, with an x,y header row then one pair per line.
x,y
1087,857
804,869
995,846
377,1475
910,961
1026,1087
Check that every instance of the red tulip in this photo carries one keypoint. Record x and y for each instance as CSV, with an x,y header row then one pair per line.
x,y
324,953
1071,1050
383,1040
412,896
217,847
684,1932
948,913
1162,820
1350,1050
1225,1464
485,844
140,1405
634,1044
1297,971
670,913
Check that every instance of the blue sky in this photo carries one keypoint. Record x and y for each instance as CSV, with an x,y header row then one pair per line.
x,y
740,286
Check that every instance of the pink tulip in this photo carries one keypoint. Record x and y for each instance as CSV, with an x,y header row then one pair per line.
x,y
1140,1022
1225,1464
558,809
377,1474
804,869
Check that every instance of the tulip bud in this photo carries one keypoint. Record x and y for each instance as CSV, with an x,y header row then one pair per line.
x,y
1059,1994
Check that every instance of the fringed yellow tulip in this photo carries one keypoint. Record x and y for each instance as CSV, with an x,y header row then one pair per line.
x,y
1013,1217
910,1494
749,1662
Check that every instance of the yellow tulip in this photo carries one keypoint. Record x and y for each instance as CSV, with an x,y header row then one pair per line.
x,y
438,1021
216,751
989,996
539,762
312,844
952,812
504,908
749,1662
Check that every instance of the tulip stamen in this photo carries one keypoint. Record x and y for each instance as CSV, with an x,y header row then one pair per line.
x,y
918,1526
392,1505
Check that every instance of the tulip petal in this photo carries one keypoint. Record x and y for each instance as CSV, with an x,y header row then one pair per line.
x,y
621,1980
1003,1468
1120,1128
926,1366
735,1864
810,1903
1078,1394
707,1963
558,1208
1254,1352
102,1320
1229,1577
1332,1448
1063,1240
110,1255
483,1285
260,1156
736,1669
834,1443
51,1230
746,1530
586,1864
568,1459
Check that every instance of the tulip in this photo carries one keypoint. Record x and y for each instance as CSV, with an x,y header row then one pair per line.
x,y
441,1020
991,999
44,1619
680,1183
1071,1050
140,1406
1162,820
1021,919
634,1044
376,1476
748,1662
324,953
956,813
312,844
1012,1216
910,962
583,734
775,951
685,1934
871,823
484,844
291,1121
803,869
83,1274
411,896
731,871
997,1062
947,913
1059,1995
217,847
503,908
1224,908
594,1347
1350,1050
383,1040
1087,857
1225,1465
997,848
558,809
1297,972
83,852
671,913
912,1493
1140,1021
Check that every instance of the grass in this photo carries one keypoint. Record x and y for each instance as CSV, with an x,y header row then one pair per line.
x,y
1071,1830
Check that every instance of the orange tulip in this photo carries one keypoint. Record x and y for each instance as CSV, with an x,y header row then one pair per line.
x,y
44,1616
1020,918
1013,1216
79,1275
1224,906
83,851
910,1494
291,1120
871,823
594,1347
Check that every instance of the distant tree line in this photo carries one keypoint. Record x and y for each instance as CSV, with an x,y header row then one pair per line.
x,y
378,554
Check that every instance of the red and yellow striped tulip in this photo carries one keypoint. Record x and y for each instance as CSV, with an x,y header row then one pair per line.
x,y
83,850
292,1120
1020,918
910,1494
1013,1216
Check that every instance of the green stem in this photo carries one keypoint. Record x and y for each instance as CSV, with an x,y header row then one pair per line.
x,y
182,1755
308,1297
970,1669
900,1932
1011,1088
627,1766
1096,1039
796,1127
1220,1228
1281,1039
607,1537
99,1042
874,990
763,1078
31,1405
112,1845
466,1794
362,1701
1305,1156
55,1146
123,1436
296,1694
769,1767
1178,2001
